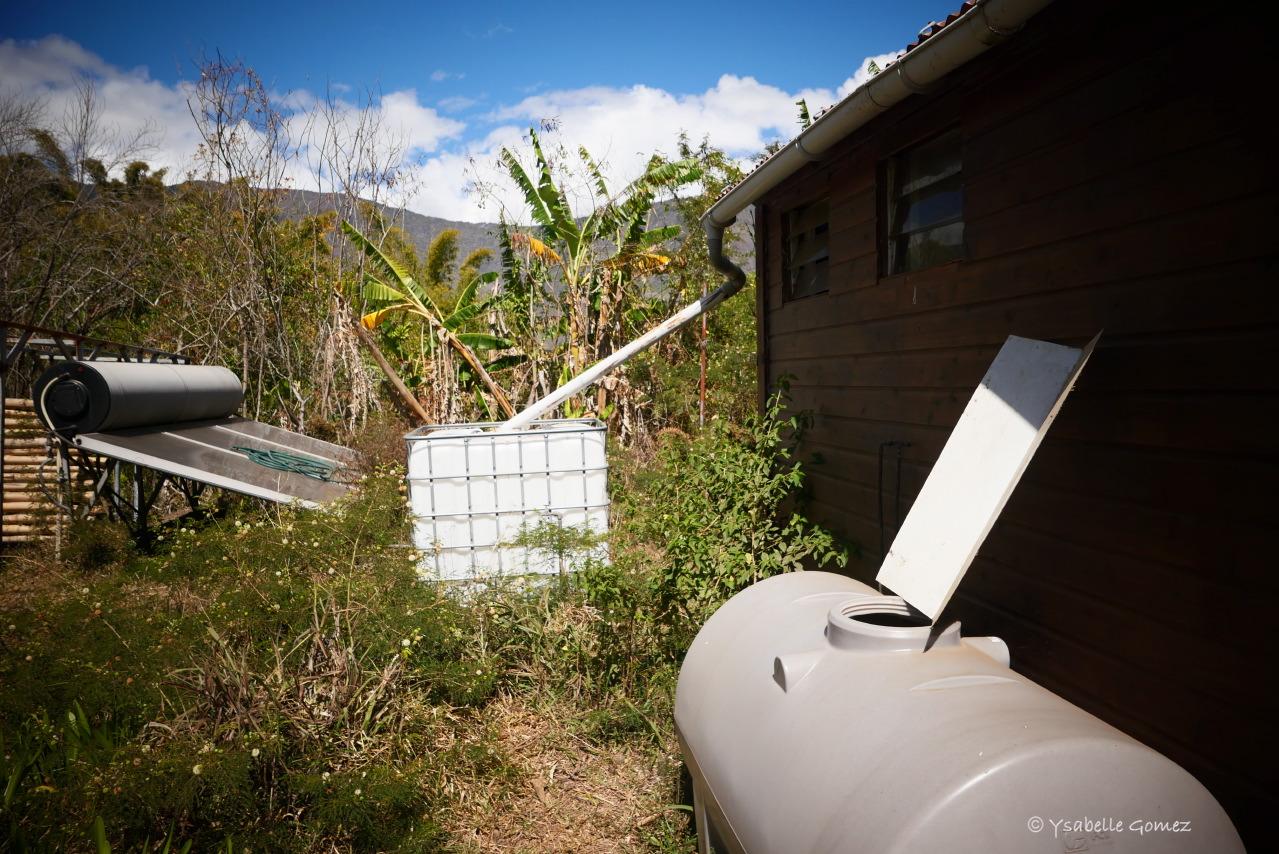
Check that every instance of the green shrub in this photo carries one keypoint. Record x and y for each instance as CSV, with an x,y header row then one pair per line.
x,y
558,548
380,441
372,809
722,510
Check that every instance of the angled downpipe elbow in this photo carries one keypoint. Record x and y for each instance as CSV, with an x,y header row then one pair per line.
x,y
735,276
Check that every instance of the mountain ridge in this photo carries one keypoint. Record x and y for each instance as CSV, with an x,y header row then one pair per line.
x,y
423,228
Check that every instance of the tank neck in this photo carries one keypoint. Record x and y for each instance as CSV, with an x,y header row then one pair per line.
x,y
882,624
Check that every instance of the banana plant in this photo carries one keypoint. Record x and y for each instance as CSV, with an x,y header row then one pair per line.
x,y
620,220
389,283
597,257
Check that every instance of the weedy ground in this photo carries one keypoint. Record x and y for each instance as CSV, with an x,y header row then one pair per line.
x,y
281,680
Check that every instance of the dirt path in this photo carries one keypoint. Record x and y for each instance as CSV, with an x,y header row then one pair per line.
x,y
570,795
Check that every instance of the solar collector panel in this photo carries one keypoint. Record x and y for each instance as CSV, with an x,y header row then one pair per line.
x,y
203,451
286,440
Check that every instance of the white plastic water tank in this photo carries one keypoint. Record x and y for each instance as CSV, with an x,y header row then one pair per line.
x,y
812,720
472,488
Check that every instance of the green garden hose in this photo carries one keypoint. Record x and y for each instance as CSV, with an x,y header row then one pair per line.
x,y
285,461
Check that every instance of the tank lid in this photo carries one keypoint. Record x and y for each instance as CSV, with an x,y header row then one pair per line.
x,y
69,399
983,459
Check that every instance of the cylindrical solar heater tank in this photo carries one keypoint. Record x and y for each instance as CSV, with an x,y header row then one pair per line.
x,y
89,397
812,720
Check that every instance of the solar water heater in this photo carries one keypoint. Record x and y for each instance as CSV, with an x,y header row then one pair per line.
x,y
179,422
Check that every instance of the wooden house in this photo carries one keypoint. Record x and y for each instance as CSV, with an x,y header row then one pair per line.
x,y
1108,166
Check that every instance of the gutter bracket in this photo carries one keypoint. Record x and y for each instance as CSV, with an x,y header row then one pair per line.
x,y
807,155
996,34
911,85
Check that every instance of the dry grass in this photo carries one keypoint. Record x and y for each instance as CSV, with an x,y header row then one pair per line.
x,y
32,579
568,795
30,575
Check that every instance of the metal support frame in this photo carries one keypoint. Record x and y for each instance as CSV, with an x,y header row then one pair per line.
x,y
133,504
17,339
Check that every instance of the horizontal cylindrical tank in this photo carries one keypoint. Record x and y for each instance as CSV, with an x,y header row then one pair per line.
x,y
88,397
812,720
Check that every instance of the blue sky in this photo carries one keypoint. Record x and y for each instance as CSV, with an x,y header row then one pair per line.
x,y
460,80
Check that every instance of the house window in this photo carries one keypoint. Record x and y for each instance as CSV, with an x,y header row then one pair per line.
x,y
806,250
925,206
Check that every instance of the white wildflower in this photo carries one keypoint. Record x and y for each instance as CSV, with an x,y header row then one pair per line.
x,y
197,770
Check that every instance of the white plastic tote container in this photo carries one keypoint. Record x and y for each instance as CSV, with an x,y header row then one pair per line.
x,y
471,491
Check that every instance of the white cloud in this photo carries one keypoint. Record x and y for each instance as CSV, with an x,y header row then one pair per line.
x,y
131,102
48,62
422,128
456,103
440,75
620,126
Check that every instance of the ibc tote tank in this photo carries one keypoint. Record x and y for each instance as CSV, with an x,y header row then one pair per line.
x,y
812,720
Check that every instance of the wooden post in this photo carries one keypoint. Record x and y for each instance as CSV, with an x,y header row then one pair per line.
x,y
701,374
391,375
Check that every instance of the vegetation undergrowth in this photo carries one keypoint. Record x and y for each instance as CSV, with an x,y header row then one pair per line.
x,y
281,679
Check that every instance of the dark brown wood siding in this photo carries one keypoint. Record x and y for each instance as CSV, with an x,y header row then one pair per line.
x,y
1118,176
